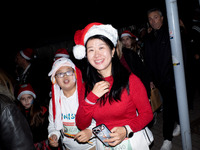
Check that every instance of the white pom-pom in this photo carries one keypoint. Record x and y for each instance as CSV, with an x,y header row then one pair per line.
x,y
79,51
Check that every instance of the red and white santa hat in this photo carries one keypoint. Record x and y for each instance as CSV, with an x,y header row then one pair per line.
x,y
56,91
62,52
26,89
81,37
128,33
27,53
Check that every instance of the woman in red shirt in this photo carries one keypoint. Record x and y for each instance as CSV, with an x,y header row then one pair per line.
x,y
114,96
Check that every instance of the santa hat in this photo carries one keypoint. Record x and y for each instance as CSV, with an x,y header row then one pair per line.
x,y
128,33
81,37
56,91
26,89
27,53
62,52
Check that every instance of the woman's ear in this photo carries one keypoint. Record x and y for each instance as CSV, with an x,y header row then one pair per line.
x,y
113,52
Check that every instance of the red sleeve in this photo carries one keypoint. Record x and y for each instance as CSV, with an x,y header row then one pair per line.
x,y
143,107
85,111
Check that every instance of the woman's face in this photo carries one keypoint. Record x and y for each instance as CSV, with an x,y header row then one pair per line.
x,y
126,41
65,78
26,100
99,56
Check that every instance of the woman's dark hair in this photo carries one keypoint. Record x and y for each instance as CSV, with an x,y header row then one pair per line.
x,y
119,72
35,116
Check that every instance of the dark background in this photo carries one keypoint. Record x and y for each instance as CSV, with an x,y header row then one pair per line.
x,y
37,25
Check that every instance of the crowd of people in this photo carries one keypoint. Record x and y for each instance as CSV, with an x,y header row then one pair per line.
x,y
107,81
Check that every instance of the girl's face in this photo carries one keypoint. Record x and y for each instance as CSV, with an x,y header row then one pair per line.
x,y
26,100
65,78
99,56
126,41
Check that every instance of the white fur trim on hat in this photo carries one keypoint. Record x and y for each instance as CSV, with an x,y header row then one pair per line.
x,y
59,63
23,55
125,34
26,92
79,51
106,30
62,55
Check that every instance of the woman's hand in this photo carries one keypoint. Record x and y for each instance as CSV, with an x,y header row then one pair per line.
x,y
101,88
53,141
83,136
117,136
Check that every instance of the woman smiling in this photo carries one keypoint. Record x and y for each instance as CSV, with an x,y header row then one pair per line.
x,y
113,95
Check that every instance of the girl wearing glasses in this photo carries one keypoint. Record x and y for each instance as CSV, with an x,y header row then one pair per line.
x,y
67,89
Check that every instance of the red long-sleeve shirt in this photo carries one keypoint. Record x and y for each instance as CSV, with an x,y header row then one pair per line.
x,y
117,113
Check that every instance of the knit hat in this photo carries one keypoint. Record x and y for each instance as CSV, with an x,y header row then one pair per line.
x,y
56,91
81,37
27,53
57,64
128,33
26,89
62,52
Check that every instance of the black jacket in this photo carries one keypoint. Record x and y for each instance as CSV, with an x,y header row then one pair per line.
x,y
158,58
137,67
15,133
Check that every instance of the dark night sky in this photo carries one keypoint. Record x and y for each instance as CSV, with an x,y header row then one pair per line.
x,y
34,25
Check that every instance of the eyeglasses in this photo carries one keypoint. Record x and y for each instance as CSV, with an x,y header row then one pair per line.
x,y
67,73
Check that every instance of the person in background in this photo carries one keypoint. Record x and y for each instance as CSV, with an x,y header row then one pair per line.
x,y
36,115
67,90
60,53
30,72
159,64
195,47
131,60
23,64
15,131
130,41
142,31
112,93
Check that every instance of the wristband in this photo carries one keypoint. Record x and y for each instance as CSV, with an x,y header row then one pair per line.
x,y
126,131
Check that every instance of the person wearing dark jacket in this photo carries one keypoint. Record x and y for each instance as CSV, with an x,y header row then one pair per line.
x,y
36,116
136,66
131,60
158,59
15,133
28,71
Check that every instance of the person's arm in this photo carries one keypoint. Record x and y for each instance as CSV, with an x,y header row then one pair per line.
x,y
14,129
87,106
54,134
86,134
139,95
85,111
51,128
